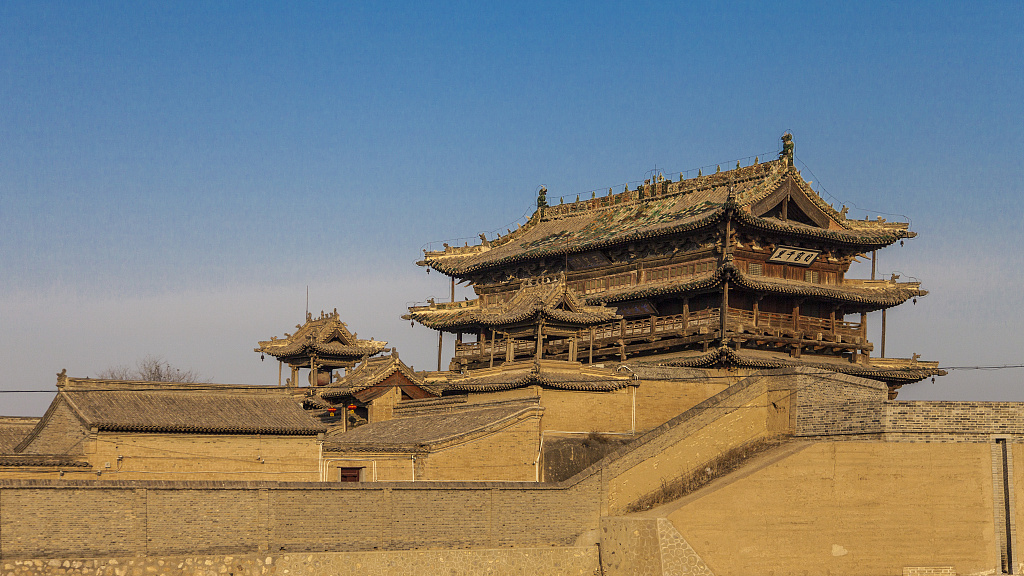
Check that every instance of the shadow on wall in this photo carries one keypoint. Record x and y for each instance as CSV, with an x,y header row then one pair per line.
x,y
566,457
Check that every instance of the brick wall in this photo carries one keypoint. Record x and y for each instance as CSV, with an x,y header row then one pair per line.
x,y
945,421
509,454
836,404
205,457
65,433
43,518
573,411
550,561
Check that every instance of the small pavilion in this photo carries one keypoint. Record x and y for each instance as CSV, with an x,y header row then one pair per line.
x,y
321,345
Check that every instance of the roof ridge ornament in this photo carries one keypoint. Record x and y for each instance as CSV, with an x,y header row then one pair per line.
x,y
787,149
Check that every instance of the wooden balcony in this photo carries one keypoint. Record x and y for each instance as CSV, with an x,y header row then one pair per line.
x,y
643,336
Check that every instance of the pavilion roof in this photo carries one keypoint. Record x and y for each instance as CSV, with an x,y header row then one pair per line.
x,y
666,208
548,298
326,337
370,373
547,373
894,371
873,294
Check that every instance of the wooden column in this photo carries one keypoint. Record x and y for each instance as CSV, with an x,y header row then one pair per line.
x,y
439,336
757,308
591,345
873,253
280,368
295,376
863,337
723,314
510,348
492,348
796,315
882,351
686,315
540,340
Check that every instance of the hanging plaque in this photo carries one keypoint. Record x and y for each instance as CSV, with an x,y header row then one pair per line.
x,y
794,256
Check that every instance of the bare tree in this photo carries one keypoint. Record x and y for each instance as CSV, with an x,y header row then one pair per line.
x,y
151,369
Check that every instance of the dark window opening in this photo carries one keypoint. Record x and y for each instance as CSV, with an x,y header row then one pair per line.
x,y
350,474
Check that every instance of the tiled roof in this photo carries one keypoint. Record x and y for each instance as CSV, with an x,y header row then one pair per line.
x,y
871,293
548,373
892,372
422,433
13,430
42,460
370,373
191,408
541,298
666,208
324,336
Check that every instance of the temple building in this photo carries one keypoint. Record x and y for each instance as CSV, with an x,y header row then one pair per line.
x,y
744,269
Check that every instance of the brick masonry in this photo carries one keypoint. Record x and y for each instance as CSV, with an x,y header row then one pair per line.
x,y
567,561
45,518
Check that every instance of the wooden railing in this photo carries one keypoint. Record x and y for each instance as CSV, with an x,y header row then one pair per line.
x,y
674,325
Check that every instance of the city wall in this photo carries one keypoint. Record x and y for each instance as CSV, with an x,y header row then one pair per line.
x,y
849,474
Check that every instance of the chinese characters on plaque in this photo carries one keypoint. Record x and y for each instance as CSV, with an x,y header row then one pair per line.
x,y
794,256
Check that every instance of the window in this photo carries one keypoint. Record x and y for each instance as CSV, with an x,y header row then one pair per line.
x,y
755,269
349,474
811,276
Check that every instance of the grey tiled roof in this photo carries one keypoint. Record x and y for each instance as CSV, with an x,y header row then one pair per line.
x,y
418,433
205,408
13,430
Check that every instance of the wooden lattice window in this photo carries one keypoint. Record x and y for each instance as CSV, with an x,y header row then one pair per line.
x,y
755,269
811,276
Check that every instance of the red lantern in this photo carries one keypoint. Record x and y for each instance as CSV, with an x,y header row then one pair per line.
x,y
352,407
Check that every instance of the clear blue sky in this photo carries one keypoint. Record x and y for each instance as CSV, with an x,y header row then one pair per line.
x,y
173,176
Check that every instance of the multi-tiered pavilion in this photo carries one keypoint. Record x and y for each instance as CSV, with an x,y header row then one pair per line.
x,y
740,268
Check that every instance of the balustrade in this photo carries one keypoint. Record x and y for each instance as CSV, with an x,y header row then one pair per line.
x,y
673,325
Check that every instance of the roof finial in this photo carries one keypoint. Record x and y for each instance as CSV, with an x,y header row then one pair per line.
x,y
787,149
